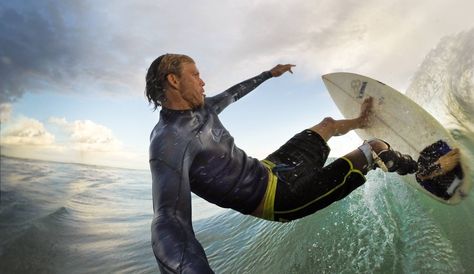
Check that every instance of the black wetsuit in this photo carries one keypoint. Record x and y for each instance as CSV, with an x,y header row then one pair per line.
x,y
191,150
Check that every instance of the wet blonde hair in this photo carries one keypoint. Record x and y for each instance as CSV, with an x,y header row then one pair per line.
x,y
156,81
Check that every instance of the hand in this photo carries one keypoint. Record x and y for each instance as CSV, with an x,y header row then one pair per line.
x,y
280,69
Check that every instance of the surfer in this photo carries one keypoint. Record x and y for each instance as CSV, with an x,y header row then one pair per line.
x,y
190,150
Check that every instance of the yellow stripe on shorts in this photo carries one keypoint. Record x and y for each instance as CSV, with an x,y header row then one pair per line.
x,y
268,204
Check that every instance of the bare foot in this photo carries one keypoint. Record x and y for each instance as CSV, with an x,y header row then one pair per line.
x,y
365,112
446,163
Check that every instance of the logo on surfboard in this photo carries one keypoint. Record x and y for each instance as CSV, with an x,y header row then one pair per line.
x,y
359,87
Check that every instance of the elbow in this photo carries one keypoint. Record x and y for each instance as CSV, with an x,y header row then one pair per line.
x,y
176,250
164,248
163,265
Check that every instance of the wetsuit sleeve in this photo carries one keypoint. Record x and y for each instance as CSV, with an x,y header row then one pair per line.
x,y
174,243
222,100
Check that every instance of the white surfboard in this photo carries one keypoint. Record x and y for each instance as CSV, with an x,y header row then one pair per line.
x,y
397,119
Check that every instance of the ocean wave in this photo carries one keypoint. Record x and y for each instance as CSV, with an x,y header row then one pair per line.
x,y
35,245
380,227
444,83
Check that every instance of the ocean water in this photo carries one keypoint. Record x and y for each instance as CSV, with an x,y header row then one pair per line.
x,y
69,218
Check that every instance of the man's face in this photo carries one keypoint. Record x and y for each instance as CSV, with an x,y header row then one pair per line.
x,y
191,85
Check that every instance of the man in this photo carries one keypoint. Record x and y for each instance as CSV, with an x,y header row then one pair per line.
x,y
190,150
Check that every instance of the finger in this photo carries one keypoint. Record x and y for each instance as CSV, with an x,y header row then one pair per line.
x,y
288,67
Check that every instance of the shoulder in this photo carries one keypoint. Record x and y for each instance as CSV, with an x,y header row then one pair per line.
x,y
172,143
168,141
209,103
213,104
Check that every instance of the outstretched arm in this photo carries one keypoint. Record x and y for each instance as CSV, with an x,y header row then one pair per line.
x,y
222,100
173,240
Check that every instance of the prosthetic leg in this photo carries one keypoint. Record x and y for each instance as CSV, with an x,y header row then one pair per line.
x,y
388,160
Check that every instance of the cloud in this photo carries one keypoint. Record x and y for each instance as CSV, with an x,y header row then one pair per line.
x,y
385,39
26,131
5,112
85,142
78,46
60,46
82,135
87,136
36,52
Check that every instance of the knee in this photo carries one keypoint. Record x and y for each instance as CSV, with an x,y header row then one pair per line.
x,y
326,128
328,122
378,145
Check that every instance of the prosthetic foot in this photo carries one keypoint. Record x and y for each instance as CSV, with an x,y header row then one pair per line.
x,y
388,160
438,159
440,170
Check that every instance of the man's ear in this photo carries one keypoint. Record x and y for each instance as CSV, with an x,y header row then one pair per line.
x,y
172,80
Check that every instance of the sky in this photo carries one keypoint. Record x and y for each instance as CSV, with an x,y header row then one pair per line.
x,y
72,72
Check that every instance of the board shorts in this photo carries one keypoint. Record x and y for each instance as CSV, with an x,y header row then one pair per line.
x,y
299,184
